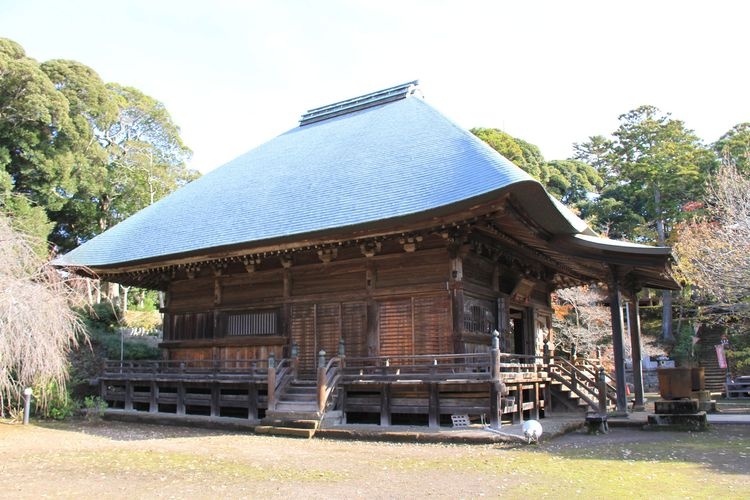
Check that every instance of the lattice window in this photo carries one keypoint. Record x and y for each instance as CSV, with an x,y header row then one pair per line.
x,y
479,316
252,323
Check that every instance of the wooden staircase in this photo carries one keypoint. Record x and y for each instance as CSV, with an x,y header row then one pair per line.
x,y
296,411
574,387
564,399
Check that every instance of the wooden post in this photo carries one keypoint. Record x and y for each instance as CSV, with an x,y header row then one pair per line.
x,y
434,409
215,397
385,404
322,386
615,305
518,416
636,353
128,395
496,384
536,399
252,401
602,383
180,407
153,405
547,359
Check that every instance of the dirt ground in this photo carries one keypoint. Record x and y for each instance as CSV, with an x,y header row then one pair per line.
x,y
110,459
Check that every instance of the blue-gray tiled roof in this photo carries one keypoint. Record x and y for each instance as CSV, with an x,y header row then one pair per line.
x,y
389,161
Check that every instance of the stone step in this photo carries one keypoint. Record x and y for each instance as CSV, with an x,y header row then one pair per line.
x,y
284,431
685,421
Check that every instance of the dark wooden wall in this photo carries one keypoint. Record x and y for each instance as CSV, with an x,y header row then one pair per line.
x,y
397,302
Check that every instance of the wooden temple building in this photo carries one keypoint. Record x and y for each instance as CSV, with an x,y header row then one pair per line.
x,y
354,269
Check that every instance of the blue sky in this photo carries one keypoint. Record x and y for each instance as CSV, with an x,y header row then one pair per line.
x,y
234,74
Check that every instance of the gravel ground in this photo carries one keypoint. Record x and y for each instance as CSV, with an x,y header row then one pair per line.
x,y
110,459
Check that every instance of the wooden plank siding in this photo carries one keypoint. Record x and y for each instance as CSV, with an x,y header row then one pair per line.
x,y
426,301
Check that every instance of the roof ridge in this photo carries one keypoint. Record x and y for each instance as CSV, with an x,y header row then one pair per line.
x,y
358,103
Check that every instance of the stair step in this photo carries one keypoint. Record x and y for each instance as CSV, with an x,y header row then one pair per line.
x,y
293,406
290,423
284,431
302,389
303,398
292,415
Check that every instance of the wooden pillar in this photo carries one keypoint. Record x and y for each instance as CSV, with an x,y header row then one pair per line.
x,y
180,407
536,399
518,415
547,358
615,306
497,388
128,395
215,397
635,349
385,404
456,251
153,406
434,408
252,401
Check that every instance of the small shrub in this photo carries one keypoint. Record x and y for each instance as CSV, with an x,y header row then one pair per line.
x,y
59,405
93,407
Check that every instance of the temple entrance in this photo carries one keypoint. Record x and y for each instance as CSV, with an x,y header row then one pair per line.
x,y
519,332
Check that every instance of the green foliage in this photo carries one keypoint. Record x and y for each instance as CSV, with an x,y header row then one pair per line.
x,y
505,145
85,153
733,148
685,352
103,317
570,181
132,349
146,320
94,407
653,166
59,405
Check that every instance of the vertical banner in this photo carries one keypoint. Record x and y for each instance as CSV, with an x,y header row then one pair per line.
x,y
721,356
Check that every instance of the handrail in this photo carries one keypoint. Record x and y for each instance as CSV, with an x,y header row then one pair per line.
x,y
192,368
284,375
329,378
579,379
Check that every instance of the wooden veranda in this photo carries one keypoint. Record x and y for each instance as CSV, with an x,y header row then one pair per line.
x,y
490,387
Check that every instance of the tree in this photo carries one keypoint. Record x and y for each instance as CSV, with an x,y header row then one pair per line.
x,y
37,325
32,114
714,251
654,166
733,148
71,147
569,180
505,145
581,319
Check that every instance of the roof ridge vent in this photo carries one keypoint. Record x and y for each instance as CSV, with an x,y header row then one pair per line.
x,y
358,103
